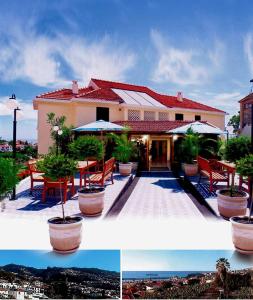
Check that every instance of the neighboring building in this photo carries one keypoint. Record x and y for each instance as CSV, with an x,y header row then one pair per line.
x,y
245,114
5,147
148,114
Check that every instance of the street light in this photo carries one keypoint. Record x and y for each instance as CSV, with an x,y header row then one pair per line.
x,y
13,105
58,132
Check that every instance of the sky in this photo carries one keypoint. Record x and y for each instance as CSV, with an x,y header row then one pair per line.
x,y
202,48
101,259
181,260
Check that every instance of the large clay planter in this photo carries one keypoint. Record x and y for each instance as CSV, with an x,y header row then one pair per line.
x,y
190,169
242,235
125,169
91,204
232,206
65,237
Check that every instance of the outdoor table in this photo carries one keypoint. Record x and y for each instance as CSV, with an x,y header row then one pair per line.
x,y
230,167
83,166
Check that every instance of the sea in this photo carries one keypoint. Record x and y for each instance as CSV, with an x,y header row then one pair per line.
x,y
138,275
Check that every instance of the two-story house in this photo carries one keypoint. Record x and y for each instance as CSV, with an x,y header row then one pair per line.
x,y
148,114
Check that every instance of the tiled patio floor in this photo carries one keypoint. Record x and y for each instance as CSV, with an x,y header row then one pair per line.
x,y
27,206
159,196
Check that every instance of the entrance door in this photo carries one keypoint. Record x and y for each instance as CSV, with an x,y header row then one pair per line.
x,y
159,153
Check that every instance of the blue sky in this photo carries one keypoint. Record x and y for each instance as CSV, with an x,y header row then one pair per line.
x,y
102,259
202,48
181,260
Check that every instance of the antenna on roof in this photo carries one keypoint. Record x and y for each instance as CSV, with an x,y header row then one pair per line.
x,y
251,89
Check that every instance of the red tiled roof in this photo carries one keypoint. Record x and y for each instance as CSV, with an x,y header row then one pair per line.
x,y
169,101
101,93
248,97
104,92
152,126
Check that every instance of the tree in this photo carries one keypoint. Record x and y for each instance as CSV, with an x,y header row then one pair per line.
x,y
222,266
235,122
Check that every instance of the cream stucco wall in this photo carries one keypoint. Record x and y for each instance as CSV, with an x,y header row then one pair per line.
x,y
80,113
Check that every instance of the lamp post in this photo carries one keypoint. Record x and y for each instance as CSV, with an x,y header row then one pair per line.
x,y
13,104
58,132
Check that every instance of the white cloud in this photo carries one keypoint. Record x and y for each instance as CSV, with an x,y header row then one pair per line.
x,y
27,112
39,59
184,67
248,49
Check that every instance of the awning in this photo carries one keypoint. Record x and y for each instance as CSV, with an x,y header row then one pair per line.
x,y
198,127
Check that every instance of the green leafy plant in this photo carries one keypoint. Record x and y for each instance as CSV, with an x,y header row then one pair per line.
x,y
86,147
190,146
8,176
124,148
237,148
235,123
65,138
57,166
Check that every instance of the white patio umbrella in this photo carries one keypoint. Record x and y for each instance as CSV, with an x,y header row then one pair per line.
x,y
100,126
198,127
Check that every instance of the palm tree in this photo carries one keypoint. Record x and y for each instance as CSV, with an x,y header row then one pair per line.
x,y
222,267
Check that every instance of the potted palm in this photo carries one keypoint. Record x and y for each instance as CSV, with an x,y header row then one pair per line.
x,y
242,226
8,177
123,151
65,231
189,151
91,198
232,201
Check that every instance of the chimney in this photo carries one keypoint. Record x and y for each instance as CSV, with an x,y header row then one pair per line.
x,y
180,96
74,87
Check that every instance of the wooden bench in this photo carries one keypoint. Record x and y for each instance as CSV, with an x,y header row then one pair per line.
x,y
99,177
213,171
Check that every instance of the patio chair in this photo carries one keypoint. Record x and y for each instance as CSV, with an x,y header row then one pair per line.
x,y
99,177
35,175
213,171
246,181
62,184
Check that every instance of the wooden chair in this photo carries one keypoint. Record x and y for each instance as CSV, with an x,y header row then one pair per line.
x,y
35,174
99,177
213,171
246,181
62,184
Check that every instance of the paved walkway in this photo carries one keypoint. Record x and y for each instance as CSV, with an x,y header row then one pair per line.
x,y
27,206
157,196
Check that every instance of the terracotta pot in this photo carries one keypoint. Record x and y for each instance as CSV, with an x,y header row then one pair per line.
x,y
232,206
125,169
242,234
91,204
190,169
65,237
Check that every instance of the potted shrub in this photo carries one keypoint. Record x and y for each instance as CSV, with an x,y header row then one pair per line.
x,y
8,177
123,151
189,151
233,202
65,231
242,226
91,198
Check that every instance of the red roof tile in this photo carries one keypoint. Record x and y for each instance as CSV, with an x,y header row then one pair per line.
x,y
152,126
101,93
248,97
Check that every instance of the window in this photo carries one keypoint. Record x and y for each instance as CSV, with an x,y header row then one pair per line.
x,y
197,118
134,115
163,116
149,116
103,113
179,117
